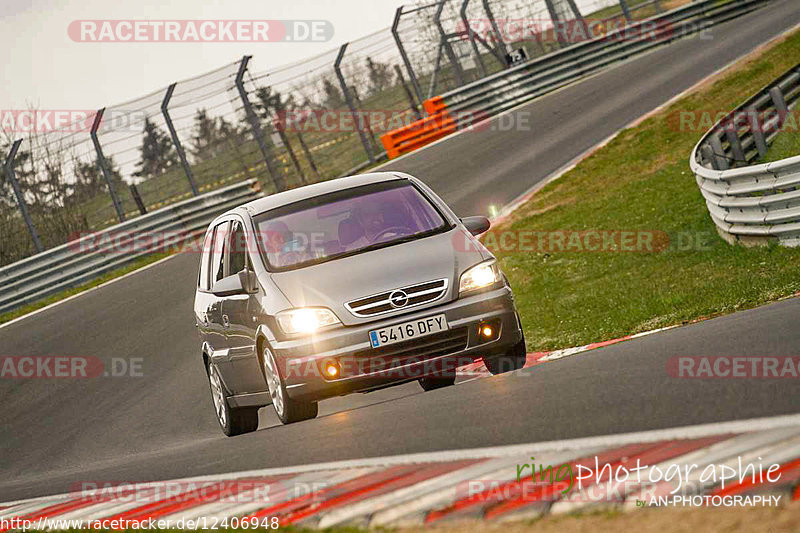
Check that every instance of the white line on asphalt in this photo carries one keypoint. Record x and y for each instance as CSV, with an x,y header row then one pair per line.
x,y
87,291
682,432
675,433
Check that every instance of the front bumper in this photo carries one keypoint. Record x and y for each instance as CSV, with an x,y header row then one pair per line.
x,y
362,368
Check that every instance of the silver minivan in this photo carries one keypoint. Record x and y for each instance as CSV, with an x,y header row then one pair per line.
x,y
348,285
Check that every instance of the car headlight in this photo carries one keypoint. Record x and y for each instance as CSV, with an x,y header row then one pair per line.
x,y
480,276
305,319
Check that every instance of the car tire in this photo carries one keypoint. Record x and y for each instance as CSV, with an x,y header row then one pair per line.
x,y
287,409
232,421
429,383
513,359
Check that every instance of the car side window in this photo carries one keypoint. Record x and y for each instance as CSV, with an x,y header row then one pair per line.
x,y
217,256
237,258
205,261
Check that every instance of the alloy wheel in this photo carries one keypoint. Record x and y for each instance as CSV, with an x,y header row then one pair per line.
x,y
273,381
217,395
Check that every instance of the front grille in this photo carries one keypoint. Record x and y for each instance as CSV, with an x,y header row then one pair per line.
x,y
412,351
380,303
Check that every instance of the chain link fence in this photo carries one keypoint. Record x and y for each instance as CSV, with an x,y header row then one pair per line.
x,y
296,124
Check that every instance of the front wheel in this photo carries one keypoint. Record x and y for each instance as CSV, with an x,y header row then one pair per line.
x,y
513,359
233,421
287,409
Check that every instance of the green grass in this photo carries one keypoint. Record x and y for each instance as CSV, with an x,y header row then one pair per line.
x,y
786,144
136,265
641,181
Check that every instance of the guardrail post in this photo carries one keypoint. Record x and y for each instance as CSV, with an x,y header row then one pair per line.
x,y
175,140
101,161
499,36
412,104
448,49
718,154
349,99
137,198
8,167
758,132
708,156
413,77
733,139
471,36
277,180
779,102
626,11
736,146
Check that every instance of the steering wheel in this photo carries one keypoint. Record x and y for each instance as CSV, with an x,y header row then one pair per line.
x,y
399,230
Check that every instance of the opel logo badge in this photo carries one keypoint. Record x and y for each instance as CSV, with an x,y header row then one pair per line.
x,y
398,298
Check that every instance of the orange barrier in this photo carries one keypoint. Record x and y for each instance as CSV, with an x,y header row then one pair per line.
x,y
434,105
438,124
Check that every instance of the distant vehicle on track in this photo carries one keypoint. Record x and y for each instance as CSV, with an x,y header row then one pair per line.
x,y
348,285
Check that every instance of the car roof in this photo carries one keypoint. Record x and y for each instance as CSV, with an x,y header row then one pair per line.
x,y
273,201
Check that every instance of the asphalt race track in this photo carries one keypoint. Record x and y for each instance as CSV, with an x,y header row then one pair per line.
x,y
161,425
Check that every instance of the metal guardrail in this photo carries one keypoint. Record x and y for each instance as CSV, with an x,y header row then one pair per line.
x,y
507,89
752,204
91,256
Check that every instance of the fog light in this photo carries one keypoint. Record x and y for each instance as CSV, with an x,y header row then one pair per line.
x,y
488,331
331,369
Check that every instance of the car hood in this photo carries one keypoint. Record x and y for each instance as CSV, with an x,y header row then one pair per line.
x,y
334,283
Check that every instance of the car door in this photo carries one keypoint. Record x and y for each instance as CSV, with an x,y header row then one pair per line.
x,y
202,297
214,323
240,313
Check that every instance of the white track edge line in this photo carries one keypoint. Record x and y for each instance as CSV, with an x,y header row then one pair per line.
x,y
87,291
675,433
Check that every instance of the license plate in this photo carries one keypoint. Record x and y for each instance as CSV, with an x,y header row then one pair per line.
x,y
408,330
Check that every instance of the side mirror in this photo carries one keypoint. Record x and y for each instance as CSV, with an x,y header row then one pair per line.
x,y
243,282
476,225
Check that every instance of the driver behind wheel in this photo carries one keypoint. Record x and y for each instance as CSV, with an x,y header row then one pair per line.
x,y
372,220
370,217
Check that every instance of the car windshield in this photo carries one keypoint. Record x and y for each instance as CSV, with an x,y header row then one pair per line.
x,y
345,223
